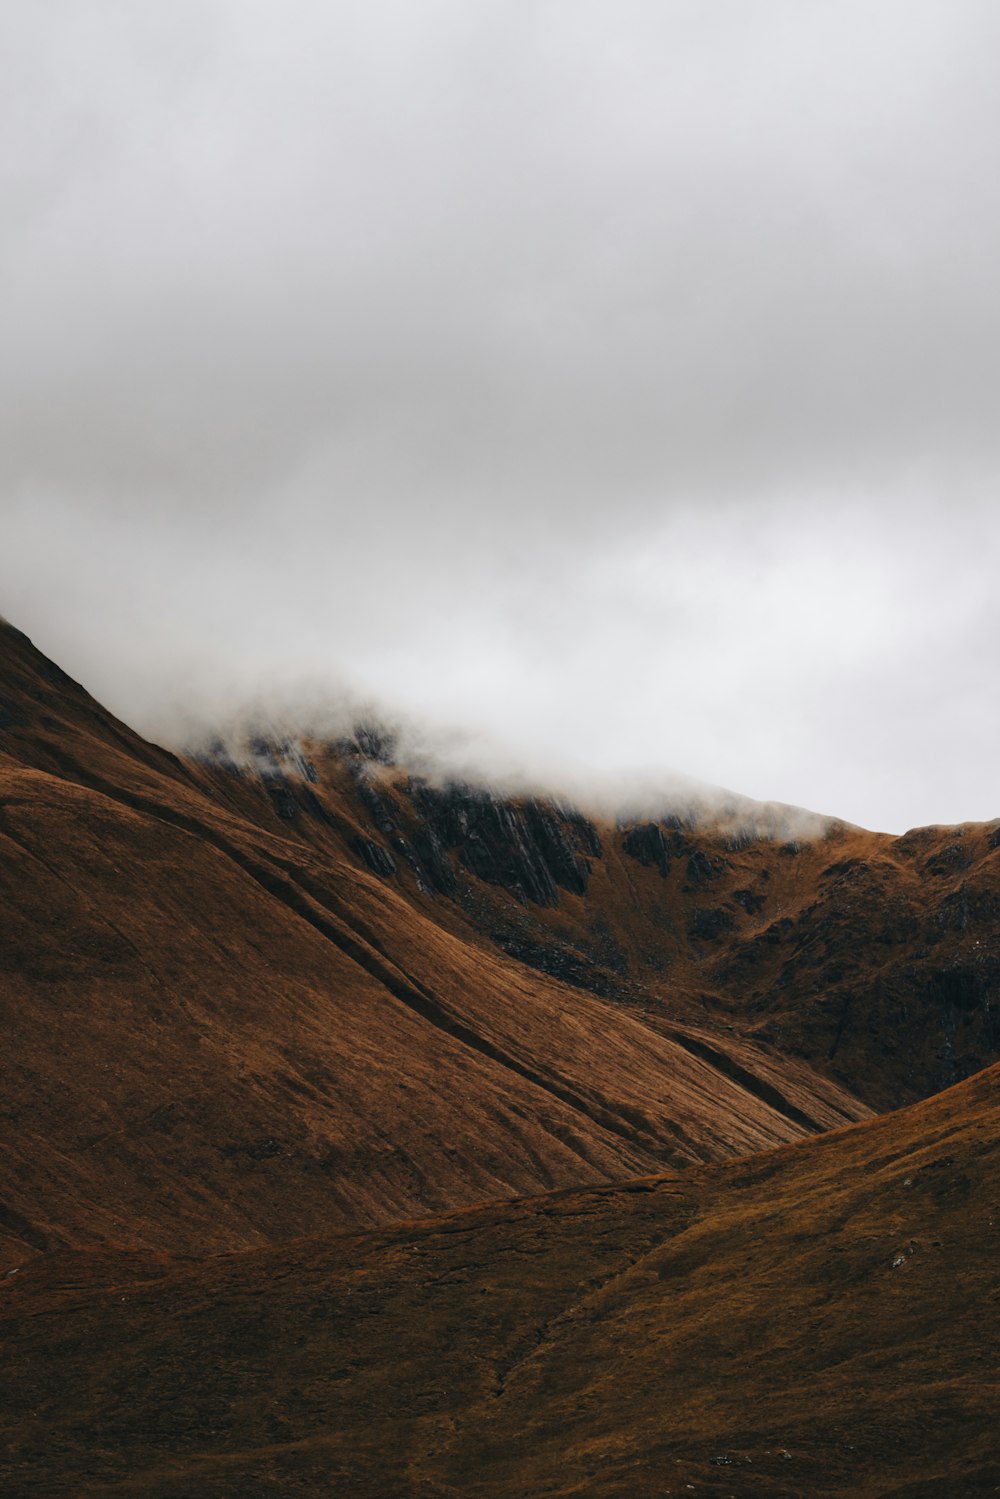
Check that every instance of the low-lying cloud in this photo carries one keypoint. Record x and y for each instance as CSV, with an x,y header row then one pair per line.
x,y
613,387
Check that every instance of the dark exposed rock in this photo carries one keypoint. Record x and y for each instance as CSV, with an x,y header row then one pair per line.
x,y
851,871
283,800
951,858
376,808
648,844
376,743
587,836
265,758
749,900
369,742
316,807
378,858
968,907
960,988
557,845
561,962
434,858
292,761
527,850
496,852
219,756
701,870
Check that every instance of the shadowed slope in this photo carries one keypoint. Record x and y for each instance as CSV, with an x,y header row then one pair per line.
x,y
868,956
819,1321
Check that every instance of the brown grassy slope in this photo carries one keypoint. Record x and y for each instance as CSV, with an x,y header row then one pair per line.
x,y
216,1036
819,1321
871,957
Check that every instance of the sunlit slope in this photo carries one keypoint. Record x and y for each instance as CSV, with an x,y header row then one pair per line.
x,y
216,1035
819,1321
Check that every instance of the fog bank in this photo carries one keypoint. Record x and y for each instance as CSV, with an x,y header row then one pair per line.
x,y
610,389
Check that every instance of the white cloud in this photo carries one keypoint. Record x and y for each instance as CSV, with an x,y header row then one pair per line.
x,y
618,380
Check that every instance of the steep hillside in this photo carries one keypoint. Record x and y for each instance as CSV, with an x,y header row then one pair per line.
x,y
371,1136
871,957
218,1033
820,1321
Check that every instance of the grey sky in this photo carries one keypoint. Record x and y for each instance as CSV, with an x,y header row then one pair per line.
x,y
618,381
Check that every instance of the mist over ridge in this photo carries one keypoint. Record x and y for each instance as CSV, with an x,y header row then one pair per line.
x,y
608,387
267,742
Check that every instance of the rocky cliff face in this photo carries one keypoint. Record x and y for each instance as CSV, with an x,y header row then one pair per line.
x,y
874,957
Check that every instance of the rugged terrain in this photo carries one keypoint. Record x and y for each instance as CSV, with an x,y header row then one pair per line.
x,y
369,1134
868,955
223,1027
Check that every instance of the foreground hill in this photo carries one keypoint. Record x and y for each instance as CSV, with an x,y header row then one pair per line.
x,y
819,1321
219,1034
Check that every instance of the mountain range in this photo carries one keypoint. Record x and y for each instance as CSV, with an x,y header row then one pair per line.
x,y
366,1132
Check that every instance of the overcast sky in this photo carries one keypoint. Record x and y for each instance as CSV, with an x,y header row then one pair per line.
x,y
618,382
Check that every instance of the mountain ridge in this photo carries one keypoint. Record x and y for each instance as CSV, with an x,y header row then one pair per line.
x,y
540,1156
245,1032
